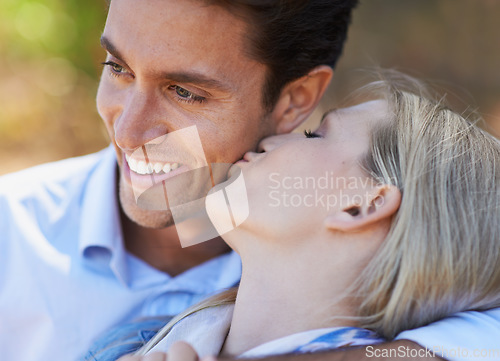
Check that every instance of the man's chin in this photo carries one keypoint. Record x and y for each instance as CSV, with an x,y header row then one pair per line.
x,y
142,217
154,219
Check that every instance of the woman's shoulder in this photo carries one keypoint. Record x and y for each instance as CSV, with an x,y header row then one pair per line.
x,y
316,340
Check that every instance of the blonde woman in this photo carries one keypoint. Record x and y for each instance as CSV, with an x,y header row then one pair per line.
x,y
382,220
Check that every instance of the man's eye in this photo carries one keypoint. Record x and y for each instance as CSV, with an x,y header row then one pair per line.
x,y
115,68
310,134
185,95
183,92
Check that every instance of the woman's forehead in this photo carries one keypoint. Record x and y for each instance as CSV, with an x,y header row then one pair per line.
x,y
367,113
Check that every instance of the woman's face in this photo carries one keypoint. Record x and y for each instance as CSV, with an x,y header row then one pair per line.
x,y
298,179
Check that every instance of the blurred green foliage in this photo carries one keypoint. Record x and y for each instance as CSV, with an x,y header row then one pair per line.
x,y
51,28
50,55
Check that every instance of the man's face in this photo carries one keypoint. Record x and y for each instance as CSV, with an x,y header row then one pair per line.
x,y
171,65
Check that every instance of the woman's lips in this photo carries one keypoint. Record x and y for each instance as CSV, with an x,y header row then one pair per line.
x,y
251,156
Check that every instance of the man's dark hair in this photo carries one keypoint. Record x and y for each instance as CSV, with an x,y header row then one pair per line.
x,y
292,37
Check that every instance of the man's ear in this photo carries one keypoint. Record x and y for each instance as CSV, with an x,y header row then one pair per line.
x,y
299,98
380,204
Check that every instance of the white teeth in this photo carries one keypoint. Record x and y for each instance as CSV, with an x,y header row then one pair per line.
x,y
141,167
132,163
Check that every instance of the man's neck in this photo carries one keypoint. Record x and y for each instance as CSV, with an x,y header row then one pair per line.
x,y
161,248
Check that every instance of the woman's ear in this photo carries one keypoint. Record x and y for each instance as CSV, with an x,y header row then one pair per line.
x,y
299,98
380,204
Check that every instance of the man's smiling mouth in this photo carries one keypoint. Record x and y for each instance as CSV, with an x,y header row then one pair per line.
x,y
142,167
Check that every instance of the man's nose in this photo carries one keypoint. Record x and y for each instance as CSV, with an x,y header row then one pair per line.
x,y
140,121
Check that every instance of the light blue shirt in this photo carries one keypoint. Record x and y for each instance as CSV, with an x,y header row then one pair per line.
x,y
65,276
465,336
206,330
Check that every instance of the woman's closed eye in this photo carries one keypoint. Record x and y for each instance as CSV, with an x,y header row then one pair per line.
x,y
310,134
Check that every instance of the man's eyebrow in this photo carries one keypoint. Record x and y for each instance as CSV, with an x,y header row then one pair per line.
x,y
196,78
191,77
110,48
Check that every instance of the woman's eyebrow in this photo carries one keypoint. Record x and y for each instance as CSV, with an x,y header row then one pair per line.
x,y
326,114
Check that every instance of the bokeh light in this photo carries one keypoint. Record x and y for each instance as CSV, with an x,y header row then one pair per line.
x,y
50,63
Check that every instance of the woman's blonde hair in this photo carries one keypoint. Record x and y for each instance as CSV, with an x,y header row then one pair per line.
x,y
442,253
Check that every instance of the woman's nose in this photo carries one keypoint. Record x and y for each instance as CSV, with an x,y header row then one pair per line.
x,y
275,141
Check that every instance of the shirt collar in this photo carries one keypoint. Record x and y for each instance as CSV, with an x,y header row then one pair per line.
x,y
206,330
100,236
101,241
209,277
